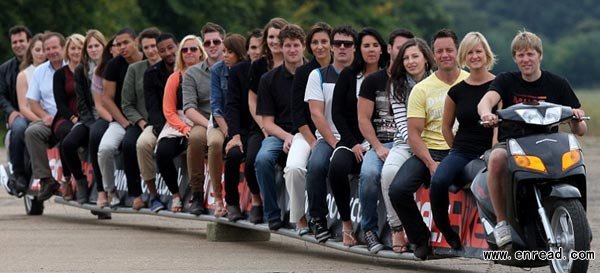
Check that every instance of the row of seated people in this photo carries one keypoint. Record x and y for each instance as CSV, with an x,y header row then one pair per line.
x,y
383,111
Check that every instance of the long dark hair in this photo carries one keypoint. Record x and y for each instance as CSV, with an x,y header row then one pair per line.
x,y
28,60
399,75
96,34
359,64
236,43
277,23
106,56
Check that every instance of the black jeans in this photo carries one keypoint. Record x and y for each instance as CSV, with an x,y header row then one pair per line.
x,y
407,181
166,151
77,137
60,132
96,132
343,163
233,159
130,163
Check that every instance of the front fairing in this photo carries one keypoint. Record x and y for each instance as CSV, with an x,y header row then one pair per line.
x,y
550,149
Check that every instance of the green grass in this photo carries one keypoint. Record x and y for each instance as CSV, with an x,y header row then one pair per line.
x,y
590,103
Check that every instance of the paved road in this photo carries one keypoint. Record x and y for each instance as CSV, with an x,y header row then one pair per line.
x,y
67,239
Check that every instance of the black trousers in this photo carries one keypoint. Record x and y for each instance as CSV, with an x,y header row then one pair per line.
x,y
343,163
407,181
166,151
251,144
130,163
77,137
60,132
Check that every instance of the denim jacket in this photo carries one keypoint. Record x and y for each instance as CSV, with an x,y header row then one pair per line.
x,y
219,73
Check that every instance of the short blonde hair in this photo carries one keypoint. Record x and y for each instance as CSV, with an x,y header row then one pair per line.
x,y
179,64
75,37
525,40
471,40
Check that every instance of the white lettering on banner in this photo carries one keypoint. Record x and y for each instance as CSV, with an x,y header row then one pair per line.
x,y
355,214
332,208
425,209
120,180
54,166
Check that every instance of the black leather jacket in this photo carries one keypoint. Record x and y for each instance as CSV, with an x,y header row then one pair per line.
x,y
8,86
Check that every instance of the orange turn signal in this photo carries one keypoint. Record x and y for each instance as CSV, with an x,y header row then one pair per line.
x,y
530,162
570,158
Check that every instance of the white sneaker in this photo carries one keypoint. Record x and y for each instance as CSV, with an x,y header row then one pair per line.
x,y
114,199
502,234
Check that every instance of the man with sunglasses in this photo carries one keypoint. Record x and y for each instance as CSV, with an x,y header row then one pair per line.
x,y
114,78
196,106
319,96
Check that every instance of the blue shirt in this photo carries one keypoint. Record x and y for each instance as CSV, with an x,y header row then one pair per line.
x,y
219,73
41,88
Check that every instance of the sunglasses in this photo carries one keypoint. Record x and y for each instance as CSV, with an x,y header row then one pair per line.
x,y
339,43
215,42
192,49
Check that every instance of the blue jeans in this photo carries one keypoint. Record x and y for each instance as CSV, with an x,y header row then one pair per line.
x,y
266,160
369,188
316,179
17,148
445,175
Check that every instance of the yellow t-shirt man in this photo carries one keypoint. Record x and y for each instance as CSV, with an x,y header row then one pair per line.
x,y
426,101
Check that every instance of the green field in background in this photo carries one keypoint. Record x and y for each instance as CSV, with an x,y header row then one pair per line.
x,y
590,103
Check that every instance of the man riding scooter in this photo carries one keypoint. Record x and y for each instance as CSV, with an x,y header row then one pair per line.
x,y
529,84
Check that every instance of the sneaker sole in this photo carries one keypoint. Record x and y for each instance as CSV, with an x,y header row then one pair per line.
x,y
323,237
155,210
376,248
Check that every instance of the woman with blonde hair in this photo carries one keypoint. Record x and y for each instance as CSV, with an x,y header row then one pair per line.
x,y
67,114
173,138
87,111
471,139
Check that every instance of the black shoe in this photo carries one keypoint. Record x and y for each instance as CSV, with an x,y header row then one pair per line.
x,y
275,224
320,230
453,241
234,213
82,191
422,250
373,243
48,186
21,185
197,204
256,215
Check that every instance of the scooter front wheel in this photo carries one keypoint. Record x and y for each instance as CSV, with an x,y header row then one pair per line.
x,y
571,230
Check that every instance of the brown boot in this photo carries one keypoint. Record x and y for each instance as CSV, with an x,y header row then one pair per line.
x,y
67,190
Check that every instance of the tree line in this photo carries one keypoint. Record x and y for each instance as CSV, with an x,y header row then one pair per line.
x,y
568,28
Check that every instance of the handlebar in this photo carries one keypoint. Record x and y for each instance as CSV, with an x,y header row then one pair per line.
x,y
481,122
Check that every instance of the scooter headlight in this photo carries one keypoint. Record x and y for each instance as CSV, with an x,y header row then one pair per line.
x,y
524,161
533,116
572,157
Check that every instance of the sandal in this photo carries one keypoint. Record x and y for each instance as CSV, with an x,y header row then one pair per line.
x,y
176,205
348,238
399,241
220,210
